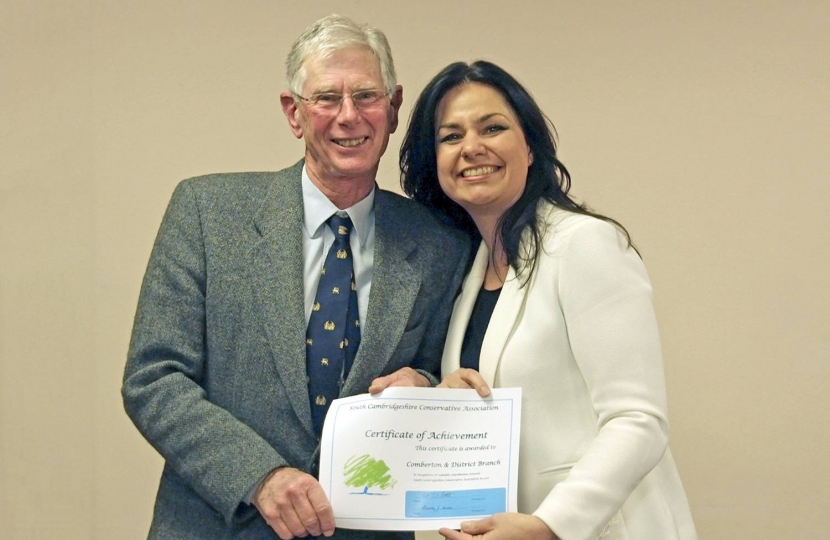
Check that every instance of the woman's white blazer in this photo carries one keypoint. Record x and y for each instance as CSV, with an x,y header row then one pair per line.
x,y
580,338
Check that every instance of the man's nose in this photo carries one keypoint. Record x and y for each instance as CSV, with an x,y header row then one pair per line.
x,y
348,113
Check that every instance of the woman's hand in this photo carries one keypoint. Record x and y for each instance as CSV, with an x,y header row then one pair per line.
x,y
466,378
510,526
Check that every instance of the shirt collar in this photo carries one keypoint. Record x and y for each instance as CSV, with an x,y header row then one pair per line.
x,y
317,209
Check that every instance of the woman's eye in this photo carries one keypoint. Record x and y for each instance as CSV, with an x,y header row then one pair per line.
x,y
494,128
449,137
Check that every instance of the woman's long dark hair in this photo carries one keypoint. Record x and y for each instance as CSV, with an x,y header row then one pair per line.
x,y
547,177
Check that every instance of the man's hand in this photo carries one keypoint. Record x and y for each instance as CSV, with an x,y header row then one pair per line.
x,y
502,527
466,378
294,505
403,377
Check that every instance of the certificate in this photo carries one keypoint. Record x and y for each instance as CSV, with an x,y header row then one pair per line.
x,y
421,458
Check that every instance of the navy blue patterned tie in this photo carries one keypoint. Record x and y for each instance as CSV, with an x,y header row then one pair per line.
x,y
333,334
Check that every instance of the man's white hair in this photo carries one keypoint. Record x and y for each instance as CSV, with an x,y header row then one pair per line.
x,y
331,34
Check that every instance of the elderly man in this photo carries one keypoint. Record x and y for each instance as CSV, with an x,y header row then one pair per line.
x,y
267,295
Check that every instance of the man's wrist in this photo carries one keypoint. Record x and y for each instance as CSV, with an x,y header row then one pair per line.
x,y
253,493
431,379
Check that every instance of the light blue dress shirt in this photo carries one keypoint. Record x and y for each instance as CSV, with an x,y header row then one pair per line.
x,y
318,238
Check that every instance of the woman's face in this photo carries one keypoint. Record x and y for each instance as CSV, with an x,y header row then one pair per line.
x,y
482,156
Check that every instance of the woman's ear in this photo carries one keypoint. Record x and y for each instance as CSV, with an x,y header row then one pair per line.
x,y
529,157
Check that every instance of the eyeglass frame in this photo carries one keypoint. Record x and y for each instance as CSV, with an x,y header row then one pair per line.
x,y
315,102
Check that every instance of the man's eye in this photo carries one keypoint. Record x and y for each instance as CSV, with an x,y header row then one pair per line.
x,y
365,96
328,98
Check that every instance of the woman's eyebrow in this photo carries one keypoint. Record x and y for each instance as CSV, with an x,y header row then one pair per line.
x,y
480,120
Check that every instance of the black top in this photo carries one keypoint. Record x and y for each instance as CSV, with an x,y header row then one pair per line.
x,y
480,318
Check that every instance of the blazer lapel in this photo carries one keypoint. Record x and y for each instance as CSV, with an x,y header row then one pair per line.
x,y
462,311
276,267
395,286
502,322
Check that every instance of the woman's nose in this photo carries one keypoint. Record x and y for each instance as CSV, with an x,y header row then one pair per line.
x,y
472,147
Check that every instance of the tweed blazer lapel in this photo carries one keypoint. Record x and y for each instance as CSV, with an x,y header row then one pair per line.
x,y
276,269
395,286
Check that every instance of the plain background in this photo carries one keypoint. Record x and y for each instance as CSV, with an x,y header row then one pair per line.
x,y
702,126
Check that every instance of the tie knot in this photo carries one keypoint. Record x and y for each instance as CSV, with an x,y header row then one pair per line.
x,y
340,226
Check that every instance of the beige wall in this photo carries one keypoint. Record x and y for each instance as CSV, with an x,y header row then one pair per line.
x,y
702,126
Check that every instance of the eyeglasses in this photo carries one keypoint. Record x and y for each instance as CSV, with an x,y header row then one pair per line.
x,y
330,101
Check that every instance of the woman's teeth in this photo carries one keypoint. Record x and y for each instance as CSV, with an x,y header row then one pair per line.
x,y
478,171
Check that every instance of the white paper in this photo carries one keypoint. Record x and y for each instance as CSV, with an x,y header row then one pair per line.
x,y
421,458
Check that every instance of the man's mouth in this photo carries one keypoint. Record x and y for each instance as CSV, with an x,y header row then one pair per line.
x,y
478,171
348,143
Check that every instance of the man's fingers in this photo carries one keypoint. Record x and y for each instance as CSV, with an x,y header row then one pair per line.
x,y
306,521
294,504
403,377
323,511
288,516
379,385
280,528
408,377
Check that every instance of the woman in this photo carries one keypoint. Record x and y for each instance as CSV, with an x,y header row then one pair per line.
x,y
557,302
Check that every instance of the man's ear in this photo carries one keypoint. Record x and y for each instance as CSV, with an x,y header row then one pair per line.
x,y
396,101
289,108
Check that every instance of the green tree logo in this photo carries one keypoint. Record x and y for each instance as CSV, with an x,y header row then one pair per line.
x,y
367,472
